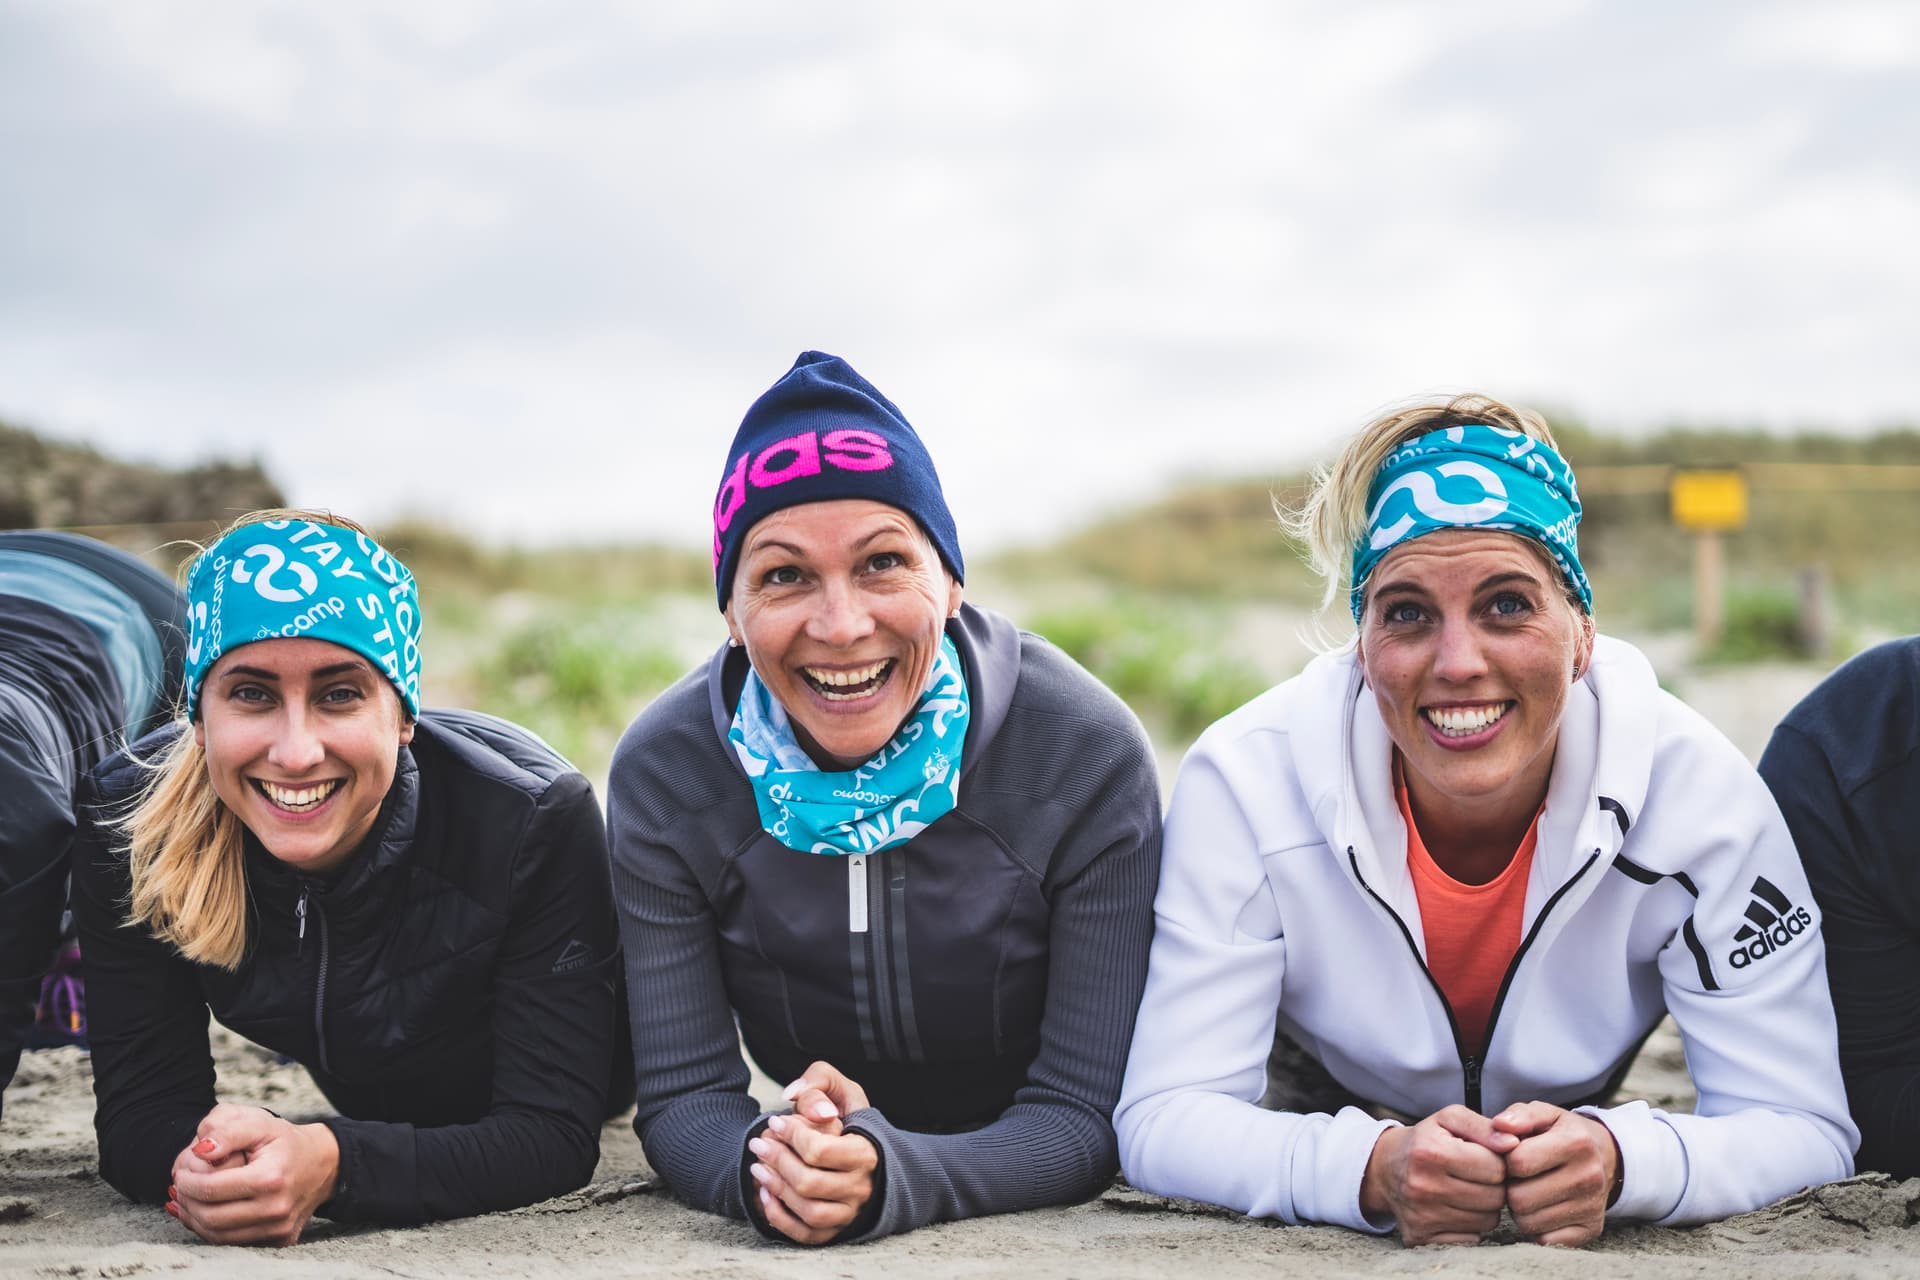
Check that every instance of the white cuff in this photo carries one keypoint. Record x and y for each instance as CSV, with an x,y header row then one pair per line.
x,y
1654,1158
1327,1172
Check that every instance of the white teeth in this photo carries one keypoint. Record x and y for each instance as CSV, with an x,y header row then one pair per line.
x,y
299,798
831,684
1458,722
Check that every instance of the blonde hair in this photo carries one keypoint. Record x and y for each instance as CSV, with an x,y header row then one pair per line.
x,y
1334,515
185,849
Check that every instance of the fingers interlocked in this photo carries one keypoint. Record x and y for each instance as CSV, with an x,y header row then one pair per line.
x,y
814,1178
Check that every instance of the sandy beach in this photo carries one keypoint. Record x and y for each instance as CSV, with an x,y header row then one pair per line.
x,y
57,1218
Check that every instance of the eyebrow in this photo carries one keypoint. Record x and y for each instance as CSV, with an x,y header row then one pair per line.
x,y
886,531
1414,588
770,544
320,673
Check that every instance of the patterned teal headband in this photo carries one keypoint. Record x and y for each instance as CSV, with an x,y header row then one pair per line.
x,y
1473,477
297,578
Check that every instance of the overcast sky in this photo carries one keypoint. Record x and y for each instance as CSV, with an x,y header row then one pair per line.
x,y
523,266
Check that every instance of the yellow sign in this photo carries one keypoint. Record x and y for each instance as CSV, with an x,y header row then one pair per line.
x,y
1708,500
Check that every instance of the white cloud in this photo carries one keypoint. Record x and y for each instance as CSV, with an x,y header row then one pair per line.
x,y
1839,35
528,266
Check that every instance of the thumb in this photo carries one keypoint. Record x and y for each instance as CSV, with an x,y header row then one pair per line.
x,y
847,1096
823,1093
1525,1119
228,1130
1470,1126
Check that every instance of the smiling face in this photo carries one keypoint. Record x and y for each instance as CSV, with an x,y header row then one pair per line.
x,y
302,739
1470,647
841,607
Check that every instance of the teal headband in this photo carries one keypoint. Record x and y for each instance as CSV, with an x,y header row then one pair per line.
x,y
296,578
1473,477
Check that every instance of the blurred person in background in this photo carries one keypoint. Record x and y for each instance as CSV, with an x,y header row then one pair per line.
x,y
1845,767
413,905
90,642
1467,863
901,848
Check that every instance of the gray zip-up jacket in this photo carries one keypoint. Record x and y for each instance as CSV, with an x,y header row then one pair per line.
x,y
987,1004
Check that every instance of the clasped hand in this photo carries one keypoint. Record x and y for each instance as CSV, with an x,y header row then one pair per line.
x,y
250,1177
814,1177
1445,1180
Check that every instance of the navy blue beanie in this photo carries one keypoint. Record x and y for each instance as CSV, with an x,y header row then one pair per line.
x,y
824,432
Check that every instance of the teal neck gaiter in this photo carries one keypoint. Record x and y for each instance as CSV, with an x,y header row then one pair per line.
x,y
885,802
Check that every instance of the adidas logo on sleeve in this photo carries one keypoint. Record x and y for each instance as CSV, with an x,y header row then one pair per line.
x,y
1773,922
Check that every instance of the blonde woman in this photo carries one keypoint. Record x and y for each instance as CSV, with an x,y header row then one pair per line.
x,y
1467,862
414,906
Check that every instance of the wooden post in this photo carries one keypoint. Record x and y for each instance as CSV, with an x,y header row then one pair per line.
x,y
1709,585
1708,501
1816,629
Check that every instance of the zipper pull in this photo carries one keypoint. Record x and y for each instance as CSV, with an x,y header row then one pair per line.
x,y
300,914
857,893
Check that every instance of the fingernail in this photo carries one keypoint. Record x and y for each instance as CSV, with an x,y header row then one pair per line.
x,y
760,1172
792,1091
823,1110
777,1123
172,1194
204,1147
766,1197
173,1208
758,1146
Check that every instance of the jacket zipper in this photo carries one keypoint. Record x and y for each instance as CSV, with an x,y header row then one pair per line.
x,y
882,994
1470,1066
300,911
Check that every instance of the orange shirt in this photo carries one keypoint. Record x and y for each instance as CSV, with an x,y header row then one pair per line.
x,y
1472,929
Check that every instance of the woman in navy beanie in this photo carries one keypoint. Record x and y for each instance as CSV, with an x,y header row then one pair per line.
x,y
903,850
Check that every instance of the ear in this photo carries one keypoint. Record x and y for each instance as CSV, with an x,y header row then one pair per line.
x,y
1583,649
200,732
954,592
733,633
406,728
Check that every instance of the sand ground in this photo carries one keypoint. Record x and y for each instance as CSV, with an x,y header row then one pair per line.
x,y
58,1219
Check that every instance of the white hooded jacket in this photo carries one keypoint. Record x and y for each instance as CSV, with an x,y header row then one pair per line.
x,y
1664,881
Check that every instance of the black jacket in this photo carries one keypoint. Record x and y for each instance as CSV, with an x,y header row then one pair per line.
x,y
1845,767
452,990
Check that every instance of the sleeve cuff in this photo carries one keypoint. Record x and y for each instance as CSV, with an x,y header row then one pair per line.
x,y
339,1207
1654,1159
1326,1174
865,1225
750,1189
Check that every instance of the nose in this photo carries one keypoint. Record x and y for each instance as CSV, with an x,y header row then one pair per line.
x,y
840,618
1459,657
296,745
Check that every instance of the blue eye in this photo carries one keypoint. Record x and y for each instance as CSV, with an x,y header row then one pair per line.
x,y
1509,605
1401,612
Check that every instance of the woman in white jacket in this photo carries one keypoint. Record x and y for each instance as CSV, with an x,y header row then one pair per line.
x,y
1467,862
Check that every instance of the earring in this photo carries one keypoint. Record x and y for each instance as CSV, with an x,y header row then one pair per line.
x,y
733,642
